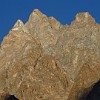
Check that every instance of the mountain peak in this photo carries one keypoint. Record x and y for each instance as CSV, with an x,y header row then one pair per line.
x,y
36,16
84,18
36,13
19,24
44,60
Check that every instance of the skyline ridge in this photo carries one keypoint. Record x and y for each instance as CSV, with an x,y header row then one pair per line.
x,y
41,13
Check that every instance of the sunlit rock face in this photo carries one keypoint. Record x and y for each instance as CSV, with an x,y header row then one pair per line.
x,y
44,60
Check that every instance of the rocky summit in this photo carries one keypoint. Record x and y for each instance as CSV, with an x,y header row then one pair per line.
x,y
45,60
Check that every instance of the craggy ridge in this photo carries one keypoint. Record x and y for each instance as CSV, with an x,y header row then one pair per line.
x,y
44,60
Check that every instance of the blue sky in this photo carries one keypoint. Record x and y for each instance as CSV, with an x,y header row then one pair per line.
x,y
62,10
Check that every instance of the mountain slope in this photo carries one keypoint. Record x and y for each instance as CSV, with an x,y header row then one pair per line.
x,y
44,60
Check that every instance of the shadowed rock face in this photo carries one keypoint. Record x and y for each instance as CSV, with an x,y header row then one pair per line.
x,y
11,97
44,60
94,94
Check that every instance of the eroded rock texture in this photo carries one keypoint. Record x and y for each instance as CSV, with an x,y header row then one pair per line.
x,y
44,60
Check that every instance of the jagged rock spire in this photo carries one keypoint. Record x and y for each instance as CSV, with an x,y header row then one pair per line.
x,y
36,16
83,19
54,23
37,12
18,25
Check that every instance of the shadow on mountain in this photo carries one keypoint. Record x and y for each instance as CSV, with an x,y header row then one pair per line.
x,y
94,93
11,97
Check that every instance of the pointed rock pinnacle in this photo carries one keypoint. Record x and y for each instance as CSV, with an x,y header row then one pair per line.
x,y
19,24
84,17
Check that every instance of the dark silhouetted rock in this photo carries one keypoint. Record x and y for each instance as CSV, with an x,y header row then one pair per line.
x,y
94,94
11,97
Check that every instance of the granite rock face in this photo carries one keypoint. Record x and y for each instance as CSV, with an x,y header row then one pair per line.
x,y
44,60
